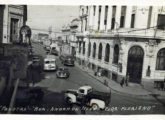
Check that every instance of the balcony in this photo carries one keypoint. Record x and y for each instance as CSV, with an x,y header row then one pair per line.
x,y
140,33
126,32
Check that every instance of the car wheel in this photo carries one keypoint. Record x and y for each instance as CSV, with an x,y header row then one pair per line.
x,y
68,101
95,106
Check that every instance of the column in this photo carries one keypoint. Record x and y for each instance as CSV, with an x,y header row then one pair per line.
x,y
109,17
102,26
117,18
96,18
154,16
128,17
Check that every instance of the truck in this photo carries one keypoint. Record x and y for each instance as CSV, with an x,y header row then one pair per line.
x,y
86,96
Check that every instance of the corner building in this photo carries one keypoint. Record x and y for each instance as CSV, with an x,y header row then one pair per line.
x,y
12,18
123,40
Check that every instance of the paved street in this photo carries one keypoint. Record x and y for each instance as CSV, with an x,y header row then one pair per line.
x,y
54,98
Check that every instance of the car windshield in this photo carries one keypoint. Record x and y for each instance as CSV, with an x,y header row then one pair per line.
x,y
49,62
81,91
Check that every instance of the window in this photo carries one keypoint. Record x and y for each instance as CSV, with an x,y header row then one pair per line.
x,y
94,10
82,11
113,23
160,63
116,54
107,52
85,24
94,50
100,51
132,20
83,48
122,18
89,49
14,29
99,17
122,21
87,10
161,22
79,47
106,14
113,17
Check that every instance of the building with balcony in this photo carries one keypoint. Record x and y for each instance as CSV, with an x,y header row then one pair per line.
x,y
12,18
74,29
123,40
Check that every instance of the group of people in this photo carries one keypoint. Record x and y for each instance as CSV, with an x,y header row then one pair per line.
x,y
125,80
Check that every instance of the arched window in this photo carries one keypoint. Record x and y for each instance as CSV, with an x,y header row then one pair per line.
x,y
79,47
160,63
116,54
100,51
94,50
89,49
83,48
107,52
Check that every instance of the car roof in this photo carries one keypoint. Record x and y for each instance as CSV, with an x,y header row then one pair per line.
x,y
50,56
86,87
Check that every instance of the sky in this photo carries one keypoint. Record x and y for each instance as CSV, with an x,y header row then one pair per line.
x,y
44,16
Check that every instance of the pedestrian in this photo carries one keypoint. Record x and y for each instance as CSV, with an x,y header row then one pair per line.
x,y
105,83
127,79
122,82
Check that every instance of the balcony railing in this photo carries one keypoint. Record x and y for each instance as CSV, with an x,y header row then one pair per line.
x,y
126,32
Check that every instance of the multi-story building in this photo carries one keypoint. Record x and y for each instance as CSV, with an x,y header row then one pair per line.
x,y
123,40
74,29
12,18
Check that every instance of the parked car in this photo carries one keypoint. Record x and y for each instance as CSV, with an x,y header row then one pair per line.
x,y
29,95
62,73
54,51
85,95
50,63
67,60
47,48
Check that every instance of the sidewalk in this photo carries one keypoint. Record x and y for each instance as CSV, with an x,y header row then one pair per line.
x,y
131,90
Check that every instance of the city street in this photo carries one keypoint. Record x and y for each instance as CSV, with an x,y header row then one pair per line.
x,y
53,100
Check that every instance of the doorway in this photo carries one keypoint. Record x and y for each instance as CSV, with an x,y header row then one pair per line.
x,y
135,64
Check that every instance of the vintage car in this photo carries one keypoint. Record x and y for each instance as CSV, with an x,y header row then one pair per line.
x,y
85,95
67,60
50,63
62,72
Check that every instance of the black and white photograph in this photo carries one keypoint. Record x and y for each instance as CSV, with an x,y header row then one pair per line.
x,y
82,59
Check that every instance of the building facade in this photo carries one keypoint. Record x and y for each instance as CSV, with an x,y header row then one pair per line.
x,y
123,40
12,18
74,29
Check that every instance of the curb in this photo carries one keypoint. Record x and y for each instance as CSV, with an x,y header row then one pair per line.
x,y
119,92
